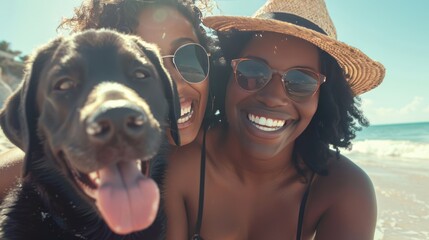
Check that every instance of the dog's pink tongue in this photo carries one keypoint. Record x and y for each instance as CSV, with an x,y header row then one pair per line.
x,y
127,200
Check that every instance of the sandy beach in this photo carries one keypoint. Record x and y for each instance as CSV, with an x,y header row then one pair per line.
x,y
402,194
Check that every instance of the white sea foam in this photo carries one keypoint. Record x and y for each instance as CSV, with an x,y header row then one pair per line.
x,y
390,148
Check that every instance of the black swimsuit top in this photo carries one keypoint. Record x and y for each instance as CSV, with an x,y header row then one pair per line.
x,y
197,236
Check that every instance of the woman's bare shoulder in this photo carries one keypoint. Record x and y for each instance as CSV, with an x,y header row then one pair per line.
x,y
345,182
348,198
346,175
11,162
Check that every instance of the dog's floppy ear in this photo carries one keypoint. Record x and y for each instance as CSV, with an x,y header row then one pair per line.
x,y
18,117
168,84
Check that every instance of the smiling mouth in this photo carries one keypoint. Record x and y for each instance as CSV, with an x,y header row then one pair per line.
x,y
267,124
186,113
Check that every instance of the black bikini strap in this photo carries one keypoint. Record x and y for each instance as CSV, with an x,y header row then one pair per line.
x,y
302,209
196,235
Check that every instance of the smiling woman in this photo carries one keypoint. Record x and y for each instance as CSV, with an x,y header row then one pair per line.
x,y
289,99
181,51
252,113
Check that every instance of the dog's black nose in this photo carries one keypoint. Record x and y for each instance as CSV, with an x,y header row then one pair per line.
x,y
108,122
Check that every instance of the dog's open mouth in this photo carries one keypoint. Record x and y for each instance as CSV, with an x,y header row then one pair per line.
x,y
126,198
91,182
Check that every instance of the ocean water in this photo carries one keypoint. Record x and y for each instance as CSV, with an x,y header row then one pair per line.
x,y
406,142
396,157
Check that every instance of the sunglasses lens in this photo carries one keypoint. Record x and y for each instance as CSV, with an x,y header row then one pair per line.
x,y
252,75
192,62
300,83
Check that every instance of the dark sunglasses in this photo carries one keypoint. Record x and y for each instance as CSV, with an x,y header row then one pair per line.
x,y
192,62
299,83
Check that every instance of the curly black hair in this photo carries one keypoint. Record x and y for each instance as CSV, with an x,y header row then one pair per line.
x,y
122,15
337,118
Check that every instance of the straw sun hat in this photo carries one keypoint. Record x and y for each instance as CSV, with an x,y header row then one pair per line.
x,y
308,20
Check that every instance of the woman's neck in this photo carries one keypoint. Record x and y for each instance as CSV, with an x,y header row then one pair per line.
x,y
250,169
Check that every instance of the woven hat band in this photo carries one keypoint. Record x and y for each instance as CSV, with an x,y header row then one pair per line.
x,y
294,19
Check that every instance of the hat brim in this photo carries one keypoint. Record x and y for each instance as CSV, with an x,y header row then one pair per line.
x,y
362,73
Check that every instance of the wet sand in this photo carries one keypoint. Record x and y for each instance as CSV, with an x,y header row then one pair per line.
x,y
402,189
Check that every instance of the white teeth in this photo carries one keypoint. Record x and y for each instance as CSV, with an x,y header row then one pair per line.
x,y
262,121
266,124
185,114
267,129
185,110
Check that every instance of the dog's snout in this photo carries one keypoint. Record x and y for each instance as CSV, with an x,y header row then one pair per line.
x,y
108,122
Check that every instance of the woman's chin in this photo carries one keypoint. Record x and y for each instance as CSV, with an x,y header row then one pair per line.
x,y
188,135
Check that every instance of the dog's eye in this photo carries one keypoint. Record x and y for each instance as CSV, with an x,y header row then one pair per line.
x,y
65,84
140,74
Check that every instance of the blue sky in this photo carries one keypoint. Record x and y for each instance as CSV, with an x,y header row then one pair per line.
x,y
393,32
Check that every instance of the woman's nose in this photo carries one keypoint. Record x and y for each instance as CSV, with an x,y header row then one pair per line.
x,y
273,94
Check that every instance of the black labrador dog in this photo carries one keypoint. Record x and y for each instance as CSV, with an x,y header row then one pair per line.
x,y
89,114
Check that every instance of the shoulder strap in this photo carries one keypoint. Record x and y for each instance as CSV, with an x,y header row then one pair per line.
x,y
196,235
302,208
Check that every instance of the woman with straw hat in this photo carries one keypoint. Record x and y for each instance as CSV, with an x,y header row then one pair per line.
x,y
271,167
